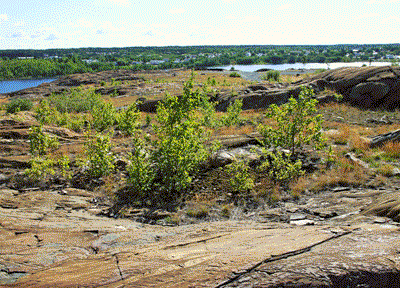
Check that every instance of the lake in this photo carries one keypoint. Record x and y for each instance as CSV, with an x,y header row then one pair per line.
x,y
16,85
282,67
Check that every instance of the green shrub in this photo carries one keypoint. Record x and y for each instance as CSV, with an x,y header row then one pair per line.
x,y
141,172
40,143
272,75
128,119
64,165
104,116
180,141
177,151
240,180
297,121
76,100
234,75
280,167
17,105
297,125
100,160
44,113
41,167
232,116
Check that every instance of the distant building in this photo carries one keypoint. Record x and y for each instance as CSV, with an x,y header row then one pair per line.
x,y
156,62
89,61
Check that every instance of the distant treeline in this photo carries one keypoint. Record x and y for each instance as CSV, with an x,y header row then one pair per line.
x,y
16,64
44,68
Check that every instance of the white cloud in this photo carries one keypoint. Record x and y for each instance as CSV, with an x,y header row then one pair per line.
x,y
228,1
3,17
285,6
177,11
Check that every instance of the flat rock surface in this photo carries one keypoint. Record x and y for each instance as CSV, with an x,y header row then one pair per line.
x,y
55,239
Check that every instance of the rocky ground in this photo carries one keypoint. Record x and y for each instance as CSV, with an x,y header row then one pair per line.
x,y
61,235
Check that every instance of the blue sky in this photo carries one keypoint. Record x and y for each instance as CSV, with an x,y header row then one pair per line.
x,y
42,24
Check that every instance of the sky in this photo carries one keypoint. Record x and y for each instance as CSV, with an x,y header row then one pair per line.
x,y
43,24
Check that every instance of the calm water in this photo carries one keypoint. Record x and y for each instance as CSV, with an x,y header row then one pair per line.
x,y
281,67
16,85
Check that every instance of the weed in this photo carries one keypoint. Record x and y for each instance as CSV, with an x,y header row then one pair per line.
x,y
76,100
198,212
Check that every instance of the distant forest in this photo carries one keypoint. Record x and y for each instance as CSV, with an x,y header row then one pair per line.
x,y
20,64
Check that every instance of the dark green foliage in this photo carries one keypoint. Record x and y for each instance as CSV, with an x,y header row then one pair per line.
x,y
234,75
272,75
17,105
76,100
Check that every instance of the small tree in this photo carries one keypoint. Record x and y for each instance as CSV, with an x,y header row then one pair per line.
x,y
40,142
179,144
99,156
297,122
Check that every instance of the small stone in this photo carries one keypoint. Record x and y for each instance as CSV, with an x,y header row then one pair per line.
x,y
380,220
302,222
297,216
340,189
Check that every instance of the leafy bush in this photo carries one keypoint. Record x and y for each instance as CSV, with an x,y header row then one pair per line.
x,y
41,167
128,119
17,105
46,115
76,100
104,116
175,155
297,122
234,75
240,180
272,75
141,172
40,142
100,160
179,144
232,113
280,167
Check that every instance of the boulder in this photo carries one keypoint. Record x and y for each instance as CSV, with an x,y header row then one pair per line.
x,y
366,87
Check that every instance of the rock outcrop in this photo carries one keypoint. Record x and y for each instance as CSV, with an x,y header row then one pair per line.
x,y
366,87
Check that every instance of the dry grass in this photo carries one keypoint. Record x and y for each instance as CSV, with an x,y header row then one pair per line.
x,y
391,150
345,173
234,130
